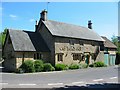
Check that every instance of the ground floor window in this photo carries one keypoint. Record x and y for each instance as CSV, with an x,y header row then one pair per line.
x,y
60,56
77,56
37,56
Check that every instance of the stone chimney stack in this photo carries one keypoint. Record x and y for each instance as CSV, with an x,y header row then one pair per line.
x,y
89,24
43,15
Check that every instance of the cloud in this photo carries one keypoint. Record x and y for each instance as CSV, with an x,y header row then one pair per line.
x,y
31,20
13,16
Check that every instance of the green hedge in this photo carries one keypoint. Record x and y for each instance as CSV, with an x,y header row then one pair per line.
x,y
48,67
83,65
38,65
97,64
28,66
74,66
59,67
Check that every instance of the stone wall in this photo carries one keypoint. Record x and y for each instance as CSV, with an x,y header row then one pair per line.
x,y
9,55
49,39
69,46
29,56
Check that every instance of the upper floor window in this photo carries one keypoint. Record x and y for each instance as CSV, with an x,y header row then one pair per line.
x,y
93,43
71,42
81,42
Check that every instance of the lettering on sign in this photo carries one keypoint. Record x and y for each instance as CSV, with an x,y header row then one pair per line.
x,y
70,48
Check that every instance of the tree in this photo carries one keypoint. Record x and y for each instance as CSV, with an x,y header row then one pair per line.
x,y
115,41
3,36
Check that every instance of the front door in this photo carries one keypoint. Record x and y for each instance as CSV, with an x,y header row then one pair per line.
x,y
87,59
106,59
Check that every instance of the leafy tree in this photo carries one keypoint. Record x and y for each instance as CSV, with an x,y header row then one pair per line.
x,y
3,36
115,41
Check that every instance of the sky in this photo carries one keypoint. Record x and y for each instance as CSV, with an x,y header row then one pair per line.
x,y
22,15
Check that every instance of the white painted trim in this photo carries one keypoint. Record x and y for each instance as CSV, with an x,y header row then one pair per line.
x,y
77,82
113,77
27,84
55,84
97,80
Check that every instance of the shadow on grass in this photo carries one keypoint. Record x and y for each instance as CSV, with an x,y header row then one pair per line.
x,y
104,86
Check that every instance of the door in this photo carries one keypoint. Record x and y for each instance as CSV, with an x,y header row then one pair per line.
x,y
87,59
106,59
112,59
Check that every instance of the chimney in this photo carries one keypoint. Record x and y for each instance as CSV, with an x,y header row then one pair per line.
x,y
36,25
44,15
89,24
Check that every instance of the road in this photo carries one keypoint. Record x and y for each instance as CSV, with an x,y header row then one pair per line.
x,y
57,79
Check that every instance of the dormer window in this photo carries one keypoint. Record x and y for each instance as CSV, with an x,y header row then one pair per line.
x,y
71,42
81,42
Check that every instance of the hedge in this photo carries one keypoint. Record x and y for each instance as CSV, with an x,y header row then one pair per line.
x,y
83,65
97,64
74,66
59,67
38,65
28,66
48,67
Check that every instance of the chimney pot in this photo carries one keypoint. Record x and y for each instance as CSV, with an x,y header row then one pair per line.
x,y
44,15
36,25
89,24
36,22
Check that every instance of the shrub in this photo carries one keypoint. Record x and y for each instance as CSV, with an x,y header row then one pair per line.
x,y
59,67
28,66
74,66
99,64
38,65
84,65
48,67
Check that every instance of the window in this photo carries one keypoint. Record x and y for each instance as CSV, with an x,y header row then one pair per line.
x,y
77,56
81,42
92,43
37,56
71,42
60,57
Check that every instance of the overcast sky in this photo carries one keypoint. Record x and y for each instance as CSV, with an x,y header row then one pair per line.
x,y
104,15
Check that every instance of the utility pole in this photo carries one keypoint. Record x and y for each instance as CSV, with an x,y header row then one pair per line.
x,y
47,6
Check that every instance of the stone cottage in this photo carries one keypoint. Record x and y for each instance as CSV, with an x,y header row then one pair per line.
x,y
54,42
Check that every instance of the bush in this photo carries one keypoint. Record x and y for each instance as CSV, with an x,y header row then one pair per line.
x,y
48,67
74,66
84,65
28,66
59,67
99,64
38,65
